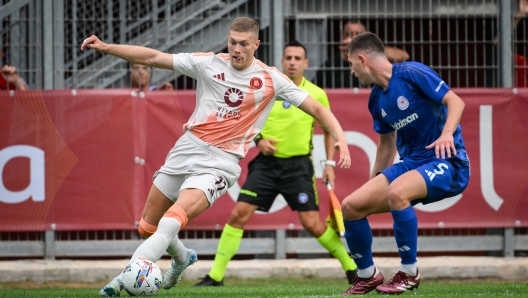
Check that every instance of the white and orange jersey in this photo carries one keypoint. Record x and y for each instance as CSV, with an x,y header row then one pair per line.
x,y
231,105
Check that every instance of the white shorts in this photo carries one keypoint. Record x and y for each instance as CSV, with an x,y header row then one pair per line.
x,y
193,163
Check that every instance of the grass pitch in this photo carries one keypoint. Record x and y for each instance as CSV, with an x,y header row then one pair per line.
x,y
290,288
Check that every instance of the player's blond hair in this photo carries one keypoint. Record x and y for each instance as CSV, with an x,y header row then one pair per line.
x,y
245,24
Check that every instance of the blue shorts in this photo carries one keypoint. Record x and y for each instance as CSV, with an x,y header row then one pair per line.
x,y
444,178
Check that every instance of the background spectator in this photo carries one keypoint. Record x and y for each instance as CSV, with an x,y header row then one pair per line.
x,y
335,72
10,79
520,77
520,63
140,76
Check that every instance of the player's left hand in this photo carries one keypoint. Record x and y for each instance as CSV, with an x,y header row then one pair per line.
x,y
444,144
344,155
329,175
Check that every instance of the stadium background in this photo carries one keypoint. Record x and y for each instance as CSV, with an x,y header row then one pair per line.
x,y
71,96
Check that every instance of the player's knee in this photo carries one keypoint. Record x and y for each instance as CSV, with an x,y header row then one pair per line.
x,y
145,229
396,197
348,208
239,217
315,227
353,209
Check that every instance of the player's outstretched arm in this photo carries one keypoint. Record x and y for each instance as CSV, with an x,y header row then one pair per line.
x,y
445,144
328,170
329,123
133,54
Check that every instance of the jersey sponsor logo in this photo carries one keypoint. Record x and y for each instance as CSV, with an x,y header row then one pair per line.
x,y
439,171
439,85
233,97
383,114
303,198
403,103
227,114
219,76
255,83
402,122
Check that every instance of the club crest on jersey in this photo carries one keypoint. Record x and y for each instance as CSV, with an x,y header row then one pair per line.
x,y
286,104
403,103
255,83
303,198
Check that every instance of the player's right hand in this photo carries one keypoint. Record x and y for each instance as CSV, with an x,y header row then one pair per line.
x,y
93,42
344,155
266,146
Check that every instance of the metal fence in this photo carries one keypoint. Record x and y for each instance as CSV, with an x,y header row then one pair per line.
x,y
470,43
279,244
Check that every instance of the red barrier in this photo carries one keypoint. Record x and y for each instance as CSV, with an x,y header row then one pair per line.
x,y
85,161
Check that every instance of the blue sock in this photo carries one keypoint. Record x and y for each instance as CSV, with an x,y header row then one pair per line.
x,y
406,234
359,239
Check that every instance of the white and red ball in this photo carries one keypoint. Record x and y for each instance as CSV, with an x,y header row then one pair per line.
x,y
142,278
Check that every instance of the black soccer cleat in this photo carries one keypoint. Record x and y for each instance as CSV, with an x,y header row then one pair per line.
x,y
207,281
351,276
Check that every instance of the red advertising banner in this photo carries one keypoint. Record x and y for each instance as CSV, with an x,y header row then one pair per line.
x,y
84,159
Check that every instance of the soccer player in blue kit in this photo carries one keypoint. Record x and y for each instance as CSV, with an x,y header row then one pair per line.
x,y
415,112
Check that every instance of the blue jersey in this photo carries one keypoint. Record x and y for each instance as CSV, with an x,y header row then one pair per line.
x,y
412,106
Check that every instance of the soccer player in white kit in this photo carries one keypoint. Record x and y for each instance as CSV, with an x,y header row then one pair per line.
x,y
235,93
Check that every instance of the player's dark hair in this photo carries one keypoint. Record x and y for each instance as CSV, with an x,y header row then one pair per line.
x,y
295,43
367,42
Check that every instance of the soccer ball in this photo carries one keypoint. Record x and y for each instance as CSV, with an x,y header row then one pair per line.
x,y
142,278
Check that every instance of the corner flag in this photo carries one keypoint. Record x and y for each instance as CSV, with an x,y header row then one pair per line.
x,y
335,218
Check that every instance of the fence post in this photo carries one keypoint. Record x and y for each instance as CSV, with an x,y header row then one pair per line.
x,y
278,31
58,42
49,245
280,244
505,43
47,45
508,243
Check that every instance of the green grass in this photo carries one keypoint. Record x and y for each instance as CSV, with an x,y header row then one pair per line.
x,y
278,288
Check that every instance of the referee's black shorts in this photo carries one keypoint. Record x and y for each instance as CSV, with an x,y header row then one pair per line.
x,y
292,177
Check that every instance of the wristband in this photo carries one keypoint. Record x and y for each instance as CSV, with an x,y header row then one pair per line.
x,y
257,139
330,163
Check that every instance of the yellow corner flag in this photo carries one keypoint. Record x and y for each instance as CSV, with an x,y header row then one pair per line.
x,y
335,218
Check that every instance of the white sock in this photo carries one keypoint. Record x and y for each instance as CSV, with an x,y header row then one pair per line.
x,y
408,268
153,248
367,272
177,250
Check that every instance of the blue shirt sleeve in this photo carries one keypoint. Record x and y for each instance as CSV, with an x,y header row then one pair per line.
x,y
379,126
426,80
